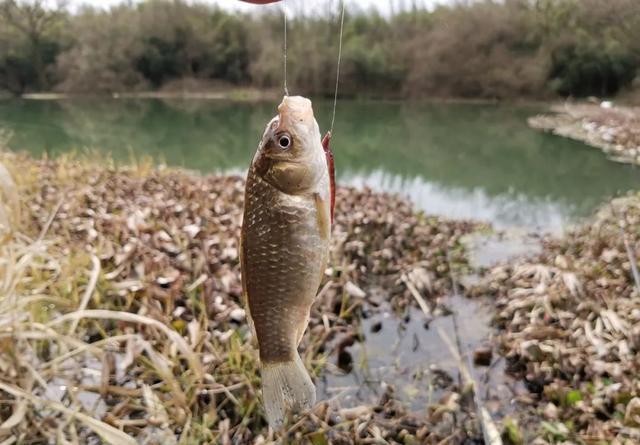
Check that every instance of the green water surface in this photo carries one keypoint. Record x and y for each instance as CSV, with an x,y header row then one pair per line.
x,y
463,161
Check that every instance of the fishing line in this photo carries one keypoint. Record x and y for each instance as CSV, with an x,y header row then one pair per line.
x,y
335,96
284,14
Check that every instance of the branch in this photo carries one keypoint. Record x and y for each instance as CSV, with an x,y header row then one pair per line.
x,y
8,10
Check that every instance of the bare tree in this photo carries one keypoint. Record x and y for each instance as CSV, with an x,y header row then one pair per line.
x,y
33,20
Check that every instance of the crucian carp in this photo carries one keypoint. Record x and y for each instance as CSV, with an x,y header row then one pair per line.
x,y
285,238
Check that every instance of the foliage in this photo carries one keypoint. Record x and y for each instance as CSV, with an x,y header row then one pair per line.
x,y
31,37
102,58
485,49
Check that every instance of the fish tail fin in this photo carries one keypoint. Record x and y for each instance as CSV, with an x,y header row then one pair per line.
x,y
285,386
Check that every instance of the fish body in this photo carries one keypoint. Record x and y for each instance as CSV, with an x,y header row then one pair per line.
x,y
284,250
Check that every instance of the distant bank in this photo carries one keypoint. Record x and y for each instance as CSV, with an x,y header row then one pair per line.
x,y
613,129
235,94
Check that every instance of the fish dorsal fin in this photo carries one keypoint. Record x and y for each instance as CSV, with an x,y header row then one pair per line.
x,y
332,171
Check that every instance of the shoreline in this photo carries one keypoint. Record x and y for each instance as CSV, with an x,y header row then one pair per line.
x,y
544,121
233,94
615,130
256,95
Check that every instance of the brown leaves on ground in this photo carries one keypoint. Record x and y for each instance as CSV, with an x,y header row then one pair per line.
x,y
167,264
571,322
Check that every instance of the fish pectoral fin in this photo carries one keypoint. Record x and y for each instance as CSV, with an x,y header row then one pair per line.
x,y
323,213
286,386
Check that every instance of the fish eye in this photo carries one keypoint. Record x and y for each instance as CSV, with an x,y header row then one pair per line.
x,y
284,141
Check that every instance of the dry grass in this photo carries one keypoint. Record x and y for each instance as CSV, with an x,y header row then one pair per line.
x,y
571,330
120,308
121,317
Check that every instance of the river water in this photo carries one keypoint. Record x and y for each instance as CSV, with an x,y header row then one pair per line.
x,y
456,160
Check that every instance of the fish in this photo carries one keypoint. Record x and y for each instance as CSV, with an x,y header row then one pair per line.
x,y
284,250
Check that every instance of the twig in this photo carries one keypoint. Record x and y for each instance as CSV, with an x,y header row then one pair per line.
x,y
418,297
447,439
466,375
324,290
226,389
82,348
135,318
634,263
630,254
88,292
108,433
489,428
112,389
454,315
19,412
10,441
52,216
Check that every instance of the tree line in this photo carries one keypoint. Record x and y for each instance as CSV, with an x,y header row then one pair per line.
x,y
484,49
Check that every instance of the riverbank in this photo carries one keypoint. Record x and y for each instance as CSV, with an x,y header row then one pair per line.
x,y
256,95
122,309
569,322
228,93
613,129
121,318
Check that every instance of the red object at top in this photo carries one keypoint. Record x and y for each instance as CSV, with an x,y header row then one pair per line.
x,y
332,170
260,2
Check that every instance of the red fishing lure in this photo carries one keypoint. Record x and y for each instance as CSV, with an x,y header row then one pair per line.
x,y
332,170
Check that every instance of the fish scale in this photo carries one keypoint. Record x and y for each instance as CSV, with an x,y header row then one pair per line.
x,y
284,249
281,237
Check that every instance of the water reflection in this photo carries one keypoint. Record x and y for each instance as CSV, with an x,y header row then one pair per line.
x,y
502,210
410,356
472,161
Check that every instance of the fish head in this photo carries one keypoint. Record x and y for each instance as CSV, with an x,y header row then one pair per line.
x,y
290,155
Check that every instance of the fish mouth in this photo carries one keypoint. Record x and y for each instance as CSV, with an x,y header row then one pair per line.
x,y
294,113
295,109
